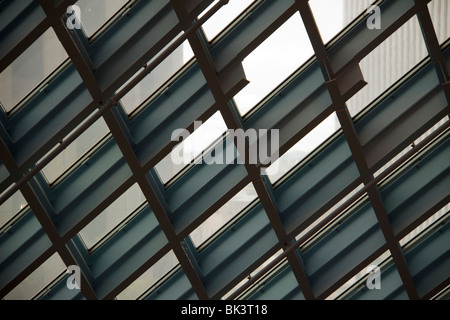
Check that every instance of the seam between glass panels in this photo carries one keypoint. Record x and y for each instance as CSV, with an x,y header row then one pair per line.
x,y
11,222
49,286
110,22
278,90
162,89
412,162
427,232
115,230
241,17
346,29
155,287
40,87
72,168
229,225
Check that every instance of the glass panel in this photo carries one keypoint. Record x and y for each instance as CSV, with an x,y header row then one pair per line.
x,y
303,148
38,279
280,54
149,278
30,68
440,11
359,277
11,207
404,151
117,211
94,14
316,237
405,48
222,216
75,150
191,147
221,19
410,237
155,79
253,273
333,15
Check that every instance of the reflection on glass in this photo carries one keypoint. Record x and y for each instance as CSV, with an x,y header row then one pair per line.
x,y
11,207
30,68
117,211
95,13
38,279
155,79
191,147
280,54
75,150
303,148
405,48
222,216
149,278
221,19
333,15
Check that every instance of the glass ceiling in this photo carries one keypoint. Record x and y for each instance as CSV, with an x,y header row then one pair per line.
x,y
88,125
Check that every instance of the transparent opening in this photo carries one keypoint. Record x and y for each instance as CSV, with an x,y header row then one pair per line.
x,y
94,14
112,216
439,12
149,278
280,54
303,148
75,151
30,69
158,77
224,215
38,280
333,15
221,19
405,48
191,147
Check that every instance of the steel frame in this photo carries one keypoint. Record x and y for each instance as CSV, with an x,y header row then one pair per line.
x,y
318,89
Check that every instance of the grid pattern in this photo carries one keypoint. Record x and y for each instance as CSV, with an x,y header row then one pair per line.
x,y
356,197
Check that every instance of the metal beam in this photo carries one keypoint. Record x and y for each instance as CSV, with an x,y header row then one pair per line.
x,y
323,223
233,121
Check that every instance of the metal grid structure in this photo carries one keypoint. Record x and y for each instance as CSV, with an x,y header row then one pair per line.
x,y
277,248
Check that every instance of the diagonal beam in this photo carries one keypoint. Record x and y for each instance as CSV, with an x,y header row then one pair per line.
x,y
357,152
233,121
47,224
328,219
108,103
117,130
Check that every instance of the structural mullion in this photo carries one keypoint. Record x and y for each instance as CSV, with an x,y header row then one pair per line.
x,y
433,47
233,121
157,203
47,224
123,143
357,152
